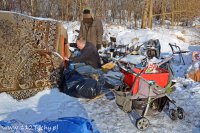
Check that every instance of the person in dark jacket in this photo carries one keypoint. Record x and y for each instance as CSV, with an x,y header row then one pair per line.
x,y
91,29
88,54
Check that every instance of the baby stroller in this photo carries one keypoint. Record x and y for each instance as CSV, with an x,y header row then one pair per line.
x,y
146,94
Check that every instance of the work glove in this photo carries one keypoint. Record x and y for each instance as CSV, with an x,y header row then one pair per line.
x,y
98,46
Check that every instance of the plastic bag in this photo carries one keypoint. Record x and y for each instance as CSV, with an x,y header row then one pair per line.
x,y
87,88
77,85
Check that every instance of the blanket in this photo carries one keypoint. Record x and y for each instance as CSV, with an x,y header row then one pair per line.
x,y
30,50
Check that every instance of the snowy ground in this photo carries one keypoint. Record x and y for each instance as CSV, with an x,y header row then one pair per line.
x,y
108,118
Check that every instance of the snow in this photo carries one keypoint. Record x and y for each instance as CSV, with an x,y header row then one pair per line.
x,y
154,60
133,59
46,105
108,118
71,27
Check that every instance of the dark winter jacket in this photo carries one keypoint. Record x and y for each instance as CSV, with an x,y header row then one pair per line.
x,y
89,55
92,33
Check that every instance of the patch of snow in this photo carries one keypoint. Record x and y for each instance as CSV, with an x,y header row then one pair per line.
x,y
133,59
154,60
46,105
71,28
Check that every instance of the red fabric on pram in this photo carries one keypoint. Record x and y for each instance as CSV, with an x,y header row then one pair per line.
x,y
161,78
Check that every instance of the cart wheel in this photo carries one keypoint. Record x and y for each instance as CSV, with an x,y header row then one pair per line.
x,y
180,113
142,123
173,114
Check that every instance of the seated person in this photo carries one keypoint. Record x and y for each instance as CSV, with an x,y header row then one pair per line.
x,y
85,81
88,54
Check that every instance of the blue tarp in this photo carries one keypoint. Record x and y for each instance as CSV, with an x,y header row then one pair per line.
x,y
61,125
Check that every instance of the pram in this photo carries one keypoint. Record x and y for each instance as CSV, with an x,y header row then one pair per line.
x,y
146,94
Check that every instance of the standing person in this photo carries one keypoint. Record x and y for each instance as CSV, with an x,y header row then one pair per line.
x,y
88,54
91,29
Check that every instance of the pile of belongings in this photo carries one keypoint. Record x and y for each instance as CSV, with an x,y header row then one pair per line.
x,y
82,82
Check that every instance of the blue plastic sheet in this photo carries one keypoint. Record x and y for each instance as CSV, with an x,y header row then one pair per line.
x,y
61,125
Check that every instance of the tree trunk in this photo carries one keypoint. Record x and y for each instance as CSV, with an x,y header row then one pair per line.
x,y
20,6
34,8
135,18
172,5
62,10
163,11
145,14
150,14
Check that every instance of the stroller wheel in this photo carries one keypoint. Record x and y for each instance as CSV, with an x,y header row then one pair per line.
x,y
173,114
142,123
181,113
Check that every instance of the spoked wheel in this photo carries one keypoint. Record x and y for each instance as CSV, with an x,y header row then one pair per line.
x,y
142,123
180,113
173,114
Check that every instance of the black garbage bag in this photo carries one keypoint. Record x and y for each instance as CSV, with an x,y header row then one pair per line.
x,y
87,88
77,85
70,80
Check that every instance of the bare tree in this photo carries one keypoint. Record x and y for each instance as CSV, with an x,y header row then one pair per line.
x,y
121,11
